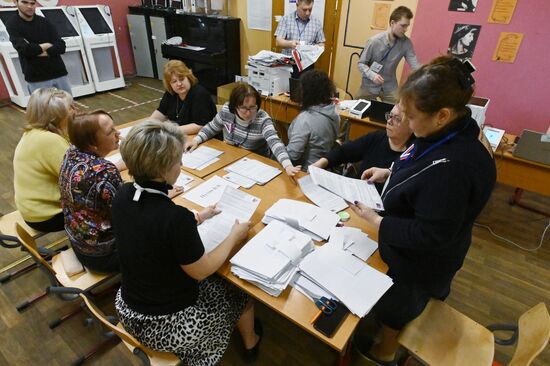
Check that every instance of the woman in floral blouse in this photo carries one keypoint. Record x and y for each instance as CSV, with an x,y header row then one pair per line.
x,y
88,183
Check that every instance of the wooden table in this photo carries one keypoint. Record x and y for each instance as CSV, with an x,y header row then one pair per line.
x,y
230,155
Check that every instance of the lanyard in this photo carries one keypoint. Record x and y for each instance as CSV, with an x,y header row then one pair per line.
x,y
388,51
232,136
300,31
140,189
408,155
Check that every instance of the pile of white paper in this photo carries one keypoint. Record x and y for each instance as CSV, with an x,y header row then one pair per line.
x,y
271,258
115,158
234,205
320,196
183,180
353,282
209,192
269,58
253,170
200,158
314,221
124,132
348,188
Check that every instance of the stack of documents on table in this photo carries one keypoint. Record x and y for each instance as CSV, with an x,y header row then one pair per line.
x,y
253,170
234,205
348,188
124,132
269,58
353,240
115,158
352,281
209,192
271,258
320,196
314,221
200,158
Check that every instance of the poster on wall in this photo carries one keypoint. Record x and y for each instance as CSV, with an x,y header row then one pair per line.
x,y
502,11
463,40
507,47
468,6
380,16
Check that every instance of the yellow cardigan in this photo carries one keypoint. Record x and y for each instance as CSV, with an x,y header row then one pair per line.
x,y
36,165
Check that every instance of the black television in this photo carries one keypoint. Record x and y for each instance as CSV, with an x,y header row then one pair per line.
x,y
60,21
201,31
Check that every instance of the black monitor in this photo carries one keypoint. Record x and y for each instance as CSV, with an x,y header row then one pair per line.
x,y
96,21
6,15
60,21
201,31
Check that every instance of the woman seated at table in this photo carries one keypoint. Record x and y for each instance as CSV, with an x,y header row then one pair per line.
x,y
314,131
375,149
245,125
171,300
38,158
435,192
88,183
185,101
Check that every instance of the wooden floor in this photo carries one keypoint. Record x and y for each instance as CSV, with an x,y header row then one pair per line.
x,y
497,283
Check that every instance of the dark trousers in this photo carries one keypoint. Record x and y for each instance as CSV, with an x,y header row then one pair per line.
x,y
54,224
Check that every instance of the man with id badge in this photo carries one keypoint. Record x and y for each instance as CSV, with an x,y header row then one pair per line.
x,y
382,54
299,28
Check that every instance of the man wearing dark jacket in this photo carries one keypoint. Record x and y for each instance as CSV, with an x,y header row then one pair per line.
x,y
39,48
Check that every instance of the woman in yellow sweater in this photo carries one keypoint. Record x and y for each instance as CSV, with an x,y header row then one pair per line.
x,y
38,156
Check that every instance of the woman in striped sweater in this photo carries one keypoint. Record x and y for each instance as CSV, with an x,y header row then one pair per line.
x,y
245,125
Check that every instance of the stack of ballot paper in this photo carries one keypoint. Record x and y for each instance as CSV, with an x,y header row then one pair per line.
x,y
320,196
349,279
234,205
271,258
253,170
200,158
348,188
314,221
209,192
354,241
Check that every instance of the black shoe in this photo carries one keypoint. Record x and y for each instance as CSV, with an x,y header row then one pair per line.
x,y
251,355
363,345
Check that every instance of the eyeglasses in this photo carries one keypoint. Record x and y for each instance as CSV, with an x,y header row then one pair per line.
x,y
393,118
243,109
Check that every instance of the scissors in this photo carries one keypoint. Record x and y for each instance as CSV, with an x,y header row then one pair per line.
x,y
326,305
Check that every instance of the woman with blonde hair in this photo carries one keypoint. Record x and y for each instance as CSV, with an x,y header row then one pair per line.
x,y
185,101
171,299
38,156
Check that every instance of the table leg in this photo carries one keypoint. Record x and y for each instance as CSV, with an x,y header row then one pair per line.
x,y
345,356
515,200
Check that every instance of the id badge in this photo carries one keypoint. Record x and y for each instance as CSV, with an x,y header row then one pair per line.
x,y
376,67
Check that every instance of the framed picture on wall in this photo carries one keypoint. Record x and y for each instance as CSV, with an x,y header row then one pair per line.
x,y
463,5
463,40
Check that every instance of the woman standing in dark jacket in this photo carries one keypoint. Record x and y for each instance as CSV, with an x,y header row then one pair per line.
x,y
436,190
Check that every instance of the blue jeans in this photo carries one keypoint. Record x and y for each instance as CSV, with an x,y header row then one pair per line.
x,y
59,83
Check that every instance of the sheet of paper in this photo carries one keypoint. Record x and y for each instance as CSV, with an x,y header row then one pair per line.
x,y
183,180
320,196
507,47
234,205
239,179
502,11
209,192
114,158
206,164
254,170
354,241
201,156
348,188
380,16
259,14
192,48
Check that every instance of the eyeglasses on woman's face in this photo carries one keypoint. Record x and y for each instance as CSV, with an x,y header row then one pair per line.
x,y
244,109
393,119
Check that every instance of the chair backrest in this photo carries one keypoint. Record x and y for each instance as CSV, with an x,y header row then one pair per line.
x,y
30,245
534,333
443,336
120,332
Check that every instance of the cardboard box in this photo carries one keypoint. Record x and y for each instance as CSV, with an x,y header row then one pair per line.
x,y
224,91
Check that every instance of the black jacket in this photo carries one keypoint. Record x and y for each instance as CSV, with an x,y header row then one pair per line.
x,y
431,203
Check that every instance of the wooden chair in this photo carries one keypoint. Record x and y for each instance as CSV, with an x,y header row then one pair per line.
x,y
8,239
146,355
443,336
